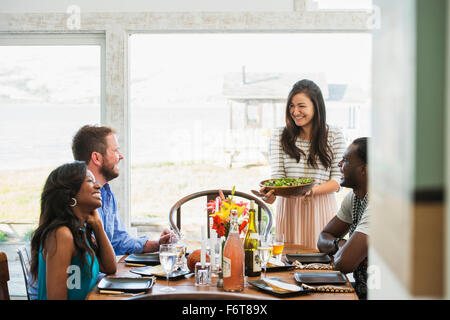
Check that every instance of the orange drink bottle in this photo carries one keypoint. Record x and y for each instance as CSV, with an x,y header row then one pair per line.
x,y
233,258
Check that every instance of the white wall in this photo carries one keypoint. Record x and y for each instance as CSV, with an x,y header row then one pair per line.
x,y
393,82
20,6
386,285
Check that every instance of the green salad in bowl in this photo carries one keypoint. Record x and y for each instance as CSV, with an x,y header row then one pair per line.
x,y
288,187
287,182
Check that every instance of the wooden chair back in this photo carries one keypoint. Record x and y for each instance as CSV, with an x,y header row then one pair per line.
x,y
4,277
175,211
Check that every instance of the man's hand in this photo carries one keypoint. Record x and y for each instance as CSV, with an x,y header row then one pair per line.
x,y
167,236
336,228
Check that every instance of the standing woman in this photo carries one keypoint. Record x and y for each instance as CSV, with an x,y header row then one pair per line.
x,y
306,147
66,258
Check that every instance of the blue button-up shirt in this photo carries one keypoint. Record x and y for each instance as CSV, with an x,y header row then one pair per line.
x,y
120,239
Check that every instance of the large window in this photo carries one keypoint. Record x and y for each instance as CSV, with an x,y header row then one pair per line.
x,y
46,94
203,106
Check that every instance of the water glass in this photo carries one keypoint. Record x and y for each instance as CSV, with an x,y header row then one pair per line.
x,y
214,255
180,262
265,252
167,257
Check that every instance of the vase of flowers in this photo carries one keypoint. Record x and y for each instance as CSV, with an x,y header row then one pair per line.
x,y
220,211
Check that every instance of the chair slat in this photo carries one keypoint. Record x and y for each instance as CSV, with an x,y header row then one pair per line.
x,y
179,218
25,262
210,197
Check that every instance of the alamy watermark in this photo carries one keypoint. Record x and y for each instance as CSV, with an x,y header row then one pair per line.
x,y
74,277
74,20
373,277
374,20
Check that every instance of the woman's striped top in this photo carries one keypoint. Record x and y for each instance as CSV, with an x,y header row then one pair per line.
x,y
283,166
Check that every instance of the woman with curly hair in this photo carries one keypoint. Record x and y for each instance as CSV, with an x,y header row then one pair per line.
x,y
70,247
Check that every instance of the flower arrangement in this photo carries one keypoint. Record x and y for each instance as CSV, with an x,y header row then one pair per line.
x,y
220,210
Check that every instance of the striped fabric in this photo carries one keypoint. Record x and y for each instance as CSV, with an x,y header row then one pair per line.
x,y
301,222
282,165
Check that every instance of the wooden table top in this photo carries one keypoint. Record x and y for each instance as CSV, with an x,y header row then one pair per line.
x,y
187,286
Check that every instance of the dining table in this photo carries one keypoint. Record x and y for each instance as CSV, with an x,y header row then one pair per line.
x,y
186,288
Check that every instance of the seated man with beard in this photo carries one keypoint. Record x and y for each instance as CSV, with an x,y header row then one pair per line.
x,y
98,148
352,218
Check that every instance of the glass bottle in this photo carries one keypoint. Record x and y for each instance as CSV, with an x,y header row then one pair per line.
x,y
252,260
233,258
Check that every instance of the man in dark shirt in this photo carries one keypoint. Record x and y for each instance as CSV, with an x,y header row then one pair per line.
x,y
353,218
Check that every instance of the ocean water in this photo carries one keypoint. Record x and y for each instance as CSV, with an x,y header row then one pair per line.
x,y
177,134
41,136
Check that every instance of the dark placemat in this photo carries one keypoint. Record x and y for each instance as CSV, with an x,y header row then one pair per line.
x,y
307,258
143,258
320,277
126,284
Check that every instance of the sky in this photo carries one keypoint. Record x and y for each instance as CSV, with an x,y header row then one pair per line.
x,y
193,65
343,57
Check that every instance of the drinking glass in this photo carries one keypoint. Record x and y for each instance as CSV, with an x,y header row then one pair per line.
x,y
278,246
265,252
213,251
167,257
180,247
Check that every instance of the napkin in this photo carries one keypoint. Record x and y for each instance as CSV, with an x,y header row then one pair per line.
x,y
157,270
275,263
328,288
282,287
312,266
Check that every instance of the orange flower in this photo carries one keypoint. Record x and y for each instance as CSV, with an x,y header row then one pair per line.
x,y
220,210
243,225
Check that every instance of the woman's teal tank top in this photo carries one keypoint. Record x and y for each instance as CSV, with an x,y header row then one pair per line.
x,y
80,279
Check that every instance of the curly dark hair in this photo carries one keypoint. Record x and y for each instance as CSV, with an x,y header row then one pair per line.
x,y
319,143
90,139
61,186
